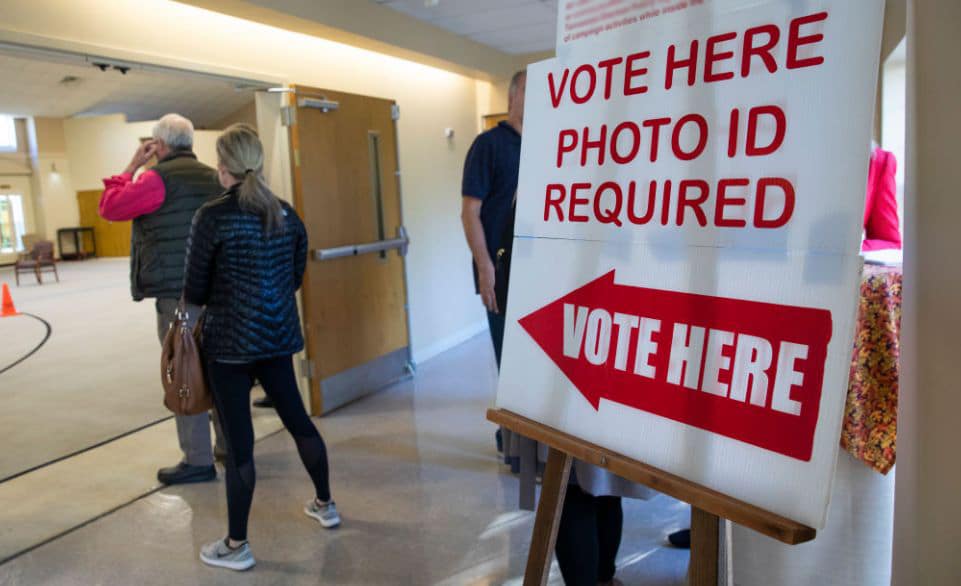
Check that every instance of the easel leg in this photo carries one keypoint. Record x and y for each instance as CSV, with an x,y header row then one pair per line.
x,y
528,479
548,519
704,548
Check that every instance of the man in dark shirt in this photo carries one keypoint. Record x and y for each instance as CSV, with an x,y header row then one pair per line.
x,y
488,189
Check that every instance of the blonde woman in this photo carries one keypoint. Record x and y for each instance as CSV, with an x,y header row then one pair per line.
x,y
245,260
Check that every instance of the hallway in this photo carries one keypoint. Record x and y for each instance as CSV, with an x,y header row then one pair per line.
x,y
416,479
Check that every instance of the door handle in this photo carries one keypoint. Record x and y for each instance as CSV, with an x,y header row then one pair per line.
x,y
401,243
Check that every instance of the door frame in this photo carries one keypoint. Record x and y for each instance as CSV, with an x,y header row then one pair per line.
x,y
19,185
275,136
306,376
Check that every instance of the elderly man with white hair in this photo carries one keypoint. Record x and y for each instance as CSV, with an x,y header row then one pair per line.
x,y
161,201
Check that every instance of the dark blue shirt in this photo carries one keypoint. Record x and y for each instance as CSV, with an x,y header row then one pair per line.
x,y
490,175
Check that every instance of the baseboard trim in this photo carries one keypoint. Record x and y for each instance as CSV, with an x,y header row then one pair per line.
x,y
424,354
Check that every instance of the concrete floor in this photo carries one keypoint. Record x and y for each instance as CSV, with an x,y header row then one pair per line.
x,y
416,477
95,379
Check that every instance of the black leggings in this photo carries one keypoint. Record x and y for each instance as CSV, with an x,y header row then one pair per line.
x,y
588,537
230,385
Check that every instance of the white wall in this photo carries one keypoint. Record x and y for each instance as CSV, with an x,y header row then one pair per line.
x,y
927,508
55,197
444,309
101,146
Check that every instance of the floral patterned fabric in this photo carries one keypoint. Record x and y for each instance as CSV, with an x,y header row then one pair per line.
x,y
871,414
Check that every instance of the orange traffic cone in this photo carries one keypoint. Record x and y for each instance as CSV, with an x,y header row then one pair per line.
x,y
8,309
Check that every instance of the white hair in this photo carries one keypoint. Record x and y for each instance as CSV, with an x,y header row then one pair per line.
x,y
175,131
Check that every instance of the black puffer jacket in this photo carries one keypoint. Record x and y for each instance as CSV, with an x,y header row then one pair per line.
x,y
247,280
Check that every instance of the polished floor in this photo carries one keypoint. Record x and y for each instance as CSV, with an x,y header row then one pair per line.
x,y
416,478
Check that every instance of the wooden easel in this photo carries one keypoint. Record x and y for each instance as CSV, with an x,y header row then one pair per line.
x,y
707,506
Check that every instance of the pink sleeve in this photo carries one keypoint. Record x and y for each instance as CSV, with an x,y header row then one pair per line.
x,y
882,225
124,199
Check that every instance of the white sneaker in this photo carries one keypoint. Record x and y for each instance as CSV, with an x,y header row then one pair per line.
x,y
326,514
221,555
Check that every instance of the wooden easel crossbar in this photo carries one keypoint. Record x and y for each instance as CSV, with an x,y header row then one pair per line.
x,y
707,506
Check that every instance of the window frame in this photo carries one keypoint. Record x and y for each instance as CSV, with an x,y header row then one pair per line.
x,y
15,145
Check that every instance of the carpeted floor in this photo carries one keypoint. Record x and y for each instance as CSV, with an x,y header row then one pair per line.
x,y
95,379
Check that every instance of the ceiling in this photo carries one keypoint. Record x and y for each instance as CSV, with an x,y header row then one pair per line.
x,y
33,85
511,26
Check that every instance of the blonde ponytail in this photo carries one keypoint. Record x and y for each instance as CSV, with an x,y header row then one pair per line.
x,y
242,155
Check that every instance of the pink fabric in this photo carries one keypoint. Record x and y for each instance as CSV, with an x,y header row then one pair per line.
x,y
125,199
881,226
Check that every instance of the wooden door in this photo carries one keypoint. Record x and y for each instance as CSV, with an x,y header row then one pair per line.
x,y
113,238
347,190
492,120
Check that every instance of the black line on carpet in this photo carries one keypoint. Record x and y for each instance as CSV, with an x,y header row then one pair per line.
x,y
86,449
46,337
107,513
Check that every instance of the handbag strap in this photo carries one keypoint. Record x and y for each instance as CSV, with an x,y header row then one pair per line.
x,y
182,309
182,315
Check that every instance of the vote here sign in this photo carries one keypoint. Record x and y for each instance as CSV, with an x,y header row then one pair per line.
x,y
685,272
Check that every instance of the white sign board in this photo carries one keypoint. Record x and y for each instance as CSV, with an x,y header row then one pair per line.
x,y
685,269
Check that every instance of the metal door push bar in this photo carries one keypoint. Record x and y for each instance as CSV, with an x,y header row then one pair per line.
x,y
400,243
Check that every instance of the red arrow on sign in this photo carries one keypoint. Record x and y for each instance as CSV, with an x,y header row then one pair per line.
x,y
743,369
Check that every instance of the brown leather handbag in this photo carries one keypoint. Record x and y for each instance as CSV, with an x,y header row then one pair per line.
x,y
182,367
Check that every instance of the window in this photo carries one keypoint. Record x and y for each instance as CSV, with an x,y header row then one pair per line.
x,y
12,225
8,134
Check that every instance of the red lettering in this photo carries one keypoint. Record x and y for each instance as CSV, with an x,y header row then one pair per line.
x,y
763,51
753,121
632,72
684,202
555,203
563,147
635,142
609,216
666,203
774,201
733,135
714,57
572,214
649,213
761,201
557,92
588,144
655,125
591,84
673,64
723,201
796,41
608,65
702,137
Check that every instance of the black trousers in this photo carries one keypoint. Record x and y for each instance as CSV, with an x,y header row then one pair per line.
x,y
230,385
497,322
588,537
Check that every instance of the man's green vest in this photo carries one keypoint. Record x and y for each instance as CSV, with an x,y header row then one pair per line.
x,y
159,240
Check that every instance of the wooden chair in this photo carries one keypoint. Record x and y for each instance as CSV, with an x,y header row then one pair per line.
x,y
29,240
37,261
